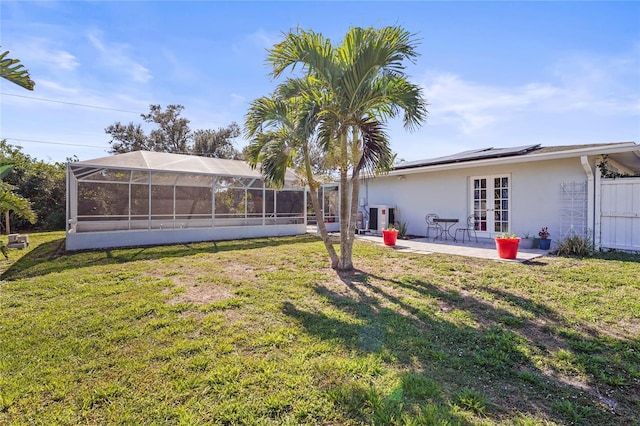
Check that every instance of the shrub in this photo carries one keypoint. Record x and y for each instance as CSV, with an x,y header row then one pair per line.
x,y
401,226
575,245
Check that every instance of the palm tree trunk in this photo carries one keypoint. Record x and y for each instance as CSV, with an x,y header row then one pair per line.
x,y
353,191
333,256
346,263
6,221
353,211
313,193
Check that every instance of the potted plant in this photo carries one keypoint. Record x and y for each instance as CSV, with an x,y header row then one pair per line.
x,y
544,243
389,236
507,245
526,242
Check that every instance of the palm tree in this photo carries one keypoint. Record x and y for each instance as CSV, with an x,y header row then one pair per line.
x,y
357,86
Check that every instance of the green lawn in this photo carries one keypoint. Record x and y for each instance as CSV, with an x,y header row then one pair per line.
x,y
263,332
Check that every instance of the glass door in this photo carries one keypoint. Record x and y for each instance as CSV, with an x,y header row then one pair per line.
x,y
490,202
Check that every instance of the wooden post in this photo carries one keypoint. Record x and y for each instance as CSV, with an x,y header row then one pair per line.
x,y
6,221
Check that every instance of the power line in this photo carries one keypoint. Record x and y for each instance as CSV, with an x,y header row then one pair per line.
x,y
68,103
55,143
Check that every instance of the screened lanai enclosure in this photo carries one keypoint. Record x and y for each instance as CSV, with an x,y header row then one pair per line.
x,y
145,198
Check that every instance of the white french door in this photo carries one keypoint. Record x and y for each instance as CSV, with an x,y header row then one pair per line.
x,y
490,203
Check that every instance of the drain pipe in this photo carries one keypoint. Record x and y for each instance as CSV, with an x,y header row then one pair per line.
x,y
592,206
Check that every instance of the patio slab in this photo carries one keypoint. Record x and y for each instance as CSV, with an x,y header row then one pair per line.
x,y
484,249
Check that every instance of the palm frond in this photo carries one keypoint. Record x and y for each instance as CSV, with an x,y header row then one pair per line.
x,y
392,95
376,155
10,201
273,151
5,169
14,71
305,48
275,158
266,113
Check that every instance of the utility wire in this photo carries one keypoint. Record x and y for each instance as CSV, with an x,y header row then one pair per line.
x,y
69,103
55,143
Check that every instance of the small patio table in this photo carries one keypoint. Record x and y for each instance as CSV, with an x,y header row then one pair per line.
x,y
445,226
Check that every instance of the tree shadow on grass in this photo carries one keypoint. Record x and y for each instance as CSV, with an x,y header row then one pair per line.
x,y
50,257
427,332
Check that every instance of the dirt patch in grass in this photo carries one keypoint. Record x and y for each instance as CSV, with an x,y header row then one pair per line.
x,y
202,295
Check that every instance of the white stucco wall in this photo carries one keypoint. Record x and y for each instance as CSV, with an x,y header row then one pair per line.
x,y
536,193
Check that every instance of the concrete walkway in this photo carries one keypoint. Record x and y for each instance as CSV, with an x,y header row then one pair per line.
x,y
484,249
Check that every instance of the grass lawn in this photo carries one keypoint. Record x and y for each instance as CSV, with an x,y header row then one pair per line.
x,y
263,332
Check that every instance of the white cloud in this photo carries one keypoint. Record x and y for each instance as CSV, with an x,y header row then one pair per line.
x,y
474,106
257,41
40,51
263,39
607,84
116,56
58,88
65,60
577,84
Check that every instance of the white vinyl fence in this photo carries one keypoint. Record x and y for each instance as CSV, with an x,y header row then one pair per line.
x,y
620,214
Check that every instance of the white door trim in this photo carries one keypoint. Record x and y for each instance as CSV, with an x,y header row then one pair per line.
x,y
491,204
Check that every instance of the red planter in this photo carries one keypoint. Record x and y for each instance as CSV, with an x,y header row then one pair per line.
x,y
507,247
389,236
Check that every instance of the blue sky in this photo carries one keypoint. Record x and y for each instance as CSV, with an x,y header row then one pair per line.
x,y
495,74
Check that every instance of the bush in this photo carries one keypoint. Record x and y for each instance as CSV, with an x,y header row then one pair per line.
x,y
41,183
575,245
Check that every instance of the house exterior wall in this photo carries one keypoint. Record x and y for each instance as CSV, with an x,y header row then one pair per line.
x,y
535,193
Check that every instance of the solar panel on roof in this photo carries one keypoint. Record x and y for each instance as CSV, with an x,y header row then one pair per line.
x,y
476,154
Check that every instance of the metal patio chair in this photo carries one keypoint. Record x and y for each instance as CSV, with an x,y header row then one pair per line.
x,y
432,225
471,227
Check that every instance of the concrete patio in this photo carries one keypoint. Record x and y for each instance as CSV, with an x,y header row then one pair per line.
x,y
484,248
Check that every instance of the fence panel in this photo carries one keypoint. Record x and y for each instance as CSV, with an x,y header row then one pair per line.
x,y
620,214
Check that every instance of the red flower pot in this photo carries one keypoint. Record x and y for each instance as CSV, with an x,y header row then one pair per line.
x,y
389,236
507,247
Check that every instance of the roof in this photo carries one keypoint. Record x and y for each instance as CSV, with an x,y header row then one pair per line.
x,y
180,163
625,153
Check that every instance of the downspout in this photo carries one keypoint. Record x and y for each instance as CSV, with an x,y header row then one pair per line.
x,y
364,201
592,206
66,198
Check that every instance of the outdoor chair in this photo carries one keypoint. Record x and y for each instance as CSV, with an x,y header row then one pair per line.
x,y
432,225
471,227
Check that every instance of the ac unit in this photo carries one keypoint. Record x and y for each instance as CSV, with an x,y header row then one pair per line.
x,y
380,216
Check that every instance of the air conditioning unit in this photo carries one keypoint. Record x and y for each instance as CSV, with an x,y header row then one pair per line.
x,y
380,216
